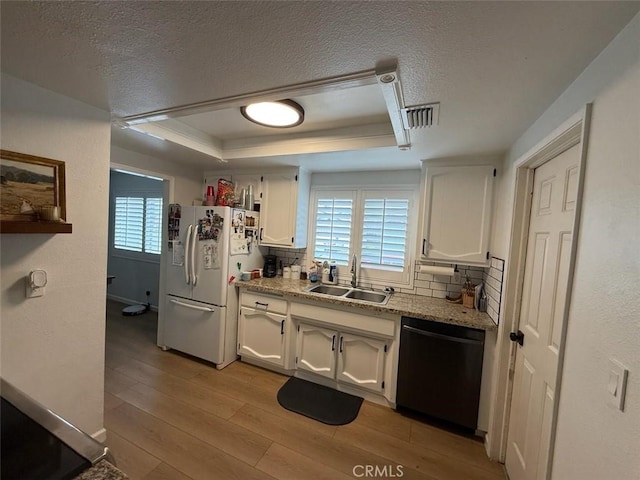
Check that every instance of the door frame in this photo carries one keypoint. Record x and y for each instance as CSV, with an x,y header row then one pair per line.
x,y
167,198
574,131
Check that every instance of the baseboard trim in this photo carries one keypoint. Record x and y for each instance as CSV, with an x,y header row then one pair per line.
x,y
128,301
100,435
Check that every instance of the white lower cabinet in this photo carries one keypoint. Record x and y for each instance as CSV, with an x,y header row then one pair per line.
x,y
261,335
345,357
315,350
361,361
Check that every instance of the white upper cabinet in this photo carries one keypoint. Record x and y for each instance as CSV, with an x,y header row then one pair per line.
x,y
457,208
284,209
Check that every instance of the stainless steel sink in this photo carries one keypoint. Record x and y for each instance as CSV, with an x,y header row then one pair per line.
x,y
328,290
371,296
367,296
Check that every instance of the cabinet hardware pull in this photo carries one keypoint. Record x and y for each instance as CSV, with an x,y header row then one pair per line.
x,y
424,242
260,304
193,307
341,339
187,276
333,343
282,327
261,234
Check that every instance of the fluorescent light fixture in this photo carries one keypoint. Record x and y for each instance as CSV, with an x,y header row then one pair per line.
x,y
389,82
280,114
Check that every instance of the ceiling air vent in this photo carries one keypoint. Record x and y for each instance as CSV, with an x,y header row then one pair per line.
x,y
420,116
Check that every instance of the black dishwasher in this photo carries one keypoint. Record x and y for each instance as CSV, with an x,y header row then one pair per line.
x,y
440,370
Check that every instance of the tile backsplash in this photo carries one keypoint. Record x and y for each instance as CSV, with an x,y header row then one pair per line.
x,y
426,284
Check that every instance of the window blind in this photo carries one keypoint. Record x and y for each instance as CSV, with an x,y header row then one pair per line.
x,y
138,224
333,229
384,233
153,225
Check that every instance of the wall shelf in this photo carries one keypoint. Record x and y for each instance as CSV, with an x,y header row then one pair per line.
x,y
35,227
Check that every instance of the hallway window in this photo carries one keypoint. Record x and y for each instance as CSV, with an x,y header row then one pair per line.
x,y
138,224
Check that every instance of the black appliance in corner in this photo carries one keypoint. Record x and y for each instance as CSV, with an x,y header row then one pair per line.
x,y
440,370
269,269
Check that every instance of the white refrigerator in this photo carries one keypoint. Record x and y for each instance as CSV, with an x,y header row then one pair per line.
x,y
207,249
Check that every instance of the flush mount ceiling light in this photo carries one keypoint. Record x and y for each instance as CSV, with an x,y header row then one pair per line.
x,y
280,114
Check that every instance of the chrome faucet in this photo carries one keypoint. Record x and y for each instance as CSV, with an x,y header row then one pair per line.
x,y
354,274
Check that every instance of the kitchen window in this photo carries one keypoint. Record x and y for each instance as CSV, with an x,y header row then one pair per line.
x,y
138,224
373,224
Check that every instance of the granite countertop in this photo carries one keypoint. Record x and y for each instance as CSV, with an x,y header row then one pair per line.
x,y
417,306
103,470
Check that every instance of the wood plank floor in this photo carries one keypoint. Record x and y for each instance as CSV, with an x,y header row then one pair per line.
x,y
171,417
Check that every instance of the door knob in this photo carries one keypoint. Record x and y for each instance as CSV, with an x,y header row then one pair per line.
x,y
517,337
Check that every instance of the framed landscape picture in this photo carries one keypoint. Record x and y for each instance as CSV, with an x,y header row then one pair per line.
x,y
28,183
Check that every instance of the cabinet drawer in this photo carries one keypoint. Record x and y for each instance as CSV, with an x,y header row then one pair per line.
x,y
264,302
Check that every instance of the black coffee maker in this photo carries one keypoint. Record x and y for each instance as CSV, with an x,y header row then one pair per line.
x,y
269,270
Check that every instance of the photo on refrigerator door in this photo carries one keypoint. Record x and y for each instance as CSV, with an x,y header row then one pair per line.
x,y
209,227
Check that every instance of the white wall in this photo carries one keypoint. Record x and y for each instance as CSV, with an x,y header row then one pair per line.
x,y
135,272
595,441
53,346
187,180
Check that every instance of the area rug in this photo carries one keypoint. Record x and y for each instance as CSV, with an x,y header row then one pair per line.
x,y
321,403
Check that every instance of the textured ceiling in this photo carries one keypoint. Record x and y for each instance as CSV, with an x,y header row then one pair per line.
x,y
494,66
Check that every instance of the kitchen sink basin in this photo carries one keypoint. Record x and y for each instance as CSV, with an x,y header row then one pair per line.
x,y
351,293
328,290
367,296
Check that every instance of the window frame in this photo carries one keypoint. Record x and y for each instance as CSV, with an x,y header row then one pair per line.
x,y
369,276
143,255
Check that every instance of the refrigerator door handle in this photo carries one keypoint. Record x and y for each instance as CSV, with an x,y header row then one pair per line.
x,y
194,238
187,278
194,307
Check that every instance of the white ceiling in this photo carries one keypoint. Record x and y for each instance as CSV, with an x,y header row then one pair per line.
x,y
493,66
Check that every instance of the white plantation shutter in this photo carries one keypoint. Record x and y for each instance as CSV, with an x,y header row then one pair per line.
x,y
371,223
384,233
153,225
129,220
333,229
138,224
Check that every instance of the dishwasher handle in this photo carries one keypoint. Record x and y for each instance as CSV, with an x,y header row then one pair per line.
x,y
448,338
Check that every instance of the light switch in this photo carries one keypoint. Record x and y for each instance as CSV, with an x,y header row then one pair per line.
x,y
617,383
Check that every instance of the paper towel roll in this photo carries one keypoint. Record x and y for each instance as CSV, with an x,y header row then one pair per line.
x,y
436,270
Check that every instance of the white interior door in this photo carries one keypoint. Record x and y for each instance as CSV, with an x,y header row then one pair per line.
x,y
542,315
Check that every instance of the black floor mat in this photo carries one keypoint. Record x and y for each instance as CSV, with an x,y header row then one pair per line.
x,y
319,402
